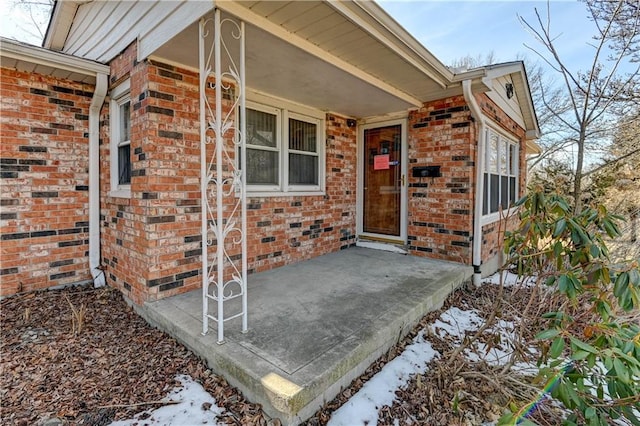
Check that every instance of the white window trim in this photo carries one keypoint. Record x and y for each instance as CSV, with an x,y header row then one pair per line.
x,y
503,140
119,95
285,110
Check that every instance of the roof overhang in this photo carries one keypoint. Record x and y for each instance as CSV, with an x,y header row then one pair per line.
x,y
348,57
62,15
28,58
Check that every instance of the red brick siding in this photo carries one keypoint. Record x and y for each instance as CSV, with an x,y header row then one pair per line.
x,y
441,133
44,181
151,240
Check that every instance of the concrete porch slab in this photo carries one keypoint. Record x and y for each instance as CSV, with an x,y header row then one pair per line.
x,y
314,326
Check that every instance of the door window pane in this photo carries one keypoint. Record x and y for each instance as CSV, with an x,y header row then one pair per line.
x,y
382,185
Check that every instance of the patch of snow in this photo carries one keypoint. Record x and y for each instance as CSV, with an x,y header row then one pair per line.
x,y
455,322
196,406
510,279
362,408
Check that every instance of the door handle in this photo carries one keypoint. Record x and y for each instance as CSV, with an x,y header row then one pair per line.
x,y
402,180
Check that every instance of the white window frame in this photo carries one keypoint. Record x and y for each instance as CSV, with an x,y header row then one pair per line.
x,y
504,143
283,111
278,148
119,95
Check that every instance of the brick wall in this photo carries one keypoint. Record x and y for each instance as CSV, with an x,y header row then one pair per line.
x,y
151,242
44,181
441,209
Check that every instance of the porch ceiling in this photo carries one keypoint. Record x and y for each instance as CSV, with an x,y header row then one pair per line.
x,y
280,69
314,54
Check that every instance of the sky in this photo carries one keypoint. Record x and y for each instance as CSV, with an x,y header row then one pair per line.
x,y
479,27
15,22
449,29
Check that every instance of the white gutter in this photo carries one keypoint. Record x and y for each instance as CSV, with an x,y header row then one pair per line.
x,y
97,100
477,210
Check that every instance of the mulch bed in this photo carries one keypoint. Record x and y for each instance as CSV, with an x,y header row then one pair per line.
x,y
117,365
108,370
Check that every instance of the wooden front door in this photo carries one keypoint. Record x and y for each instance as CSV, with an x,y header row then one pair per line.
x,y
382,181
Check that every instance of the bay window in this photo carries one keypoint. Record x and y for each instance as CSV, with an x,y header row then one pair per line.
x,y
500,174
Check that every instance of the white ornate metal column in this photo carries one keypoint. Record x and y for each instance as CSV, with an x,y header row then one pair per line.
x,y
222,181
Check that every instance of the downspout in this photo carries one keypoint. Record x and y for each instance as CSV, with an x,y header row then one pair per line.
x,y
97,100
476,113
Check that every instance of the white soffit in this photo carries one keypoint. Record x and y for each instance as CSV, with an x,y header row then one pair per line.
x,y
360,34
278,68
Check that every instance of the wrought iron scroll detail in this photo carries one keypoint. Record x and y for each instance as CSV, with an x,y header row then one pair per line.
x,y
223,186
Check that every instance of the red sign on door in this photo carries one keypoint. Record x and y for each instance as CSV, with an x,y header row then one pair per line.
x,y
381,162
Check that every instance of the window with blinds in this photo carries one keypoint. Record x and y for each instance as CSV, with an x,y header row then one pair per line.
x,y
284,152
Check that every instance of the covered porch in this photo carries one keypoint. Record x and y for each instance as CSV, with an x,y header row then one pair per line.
x,y
314,326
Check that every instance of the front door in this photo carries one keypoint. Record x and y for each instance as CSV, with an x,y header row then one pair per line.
x,y
383,182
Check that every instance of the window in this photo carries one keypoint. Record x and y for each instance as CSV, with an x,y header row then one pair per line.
x,y
500,174
263,148
284,150
303,152
120,121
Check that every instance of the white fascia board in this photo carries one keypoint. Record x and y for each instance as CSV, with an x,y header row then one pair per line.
x,y
250,17
41,56
428,63
60,24
532,120
398,115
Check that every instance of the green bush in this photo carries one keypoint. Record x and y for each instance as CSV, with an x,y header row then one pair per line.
x,y
590,346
